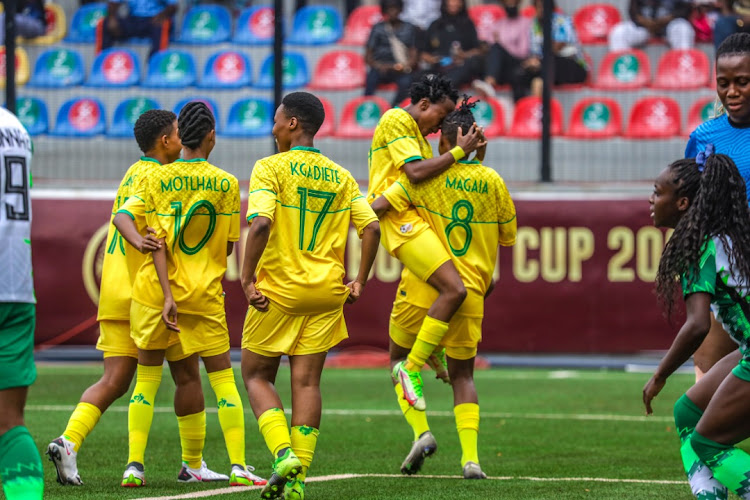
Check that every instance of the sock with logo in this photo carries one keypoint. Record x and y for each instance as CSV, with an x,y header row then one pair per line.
x,y
231,414
141,410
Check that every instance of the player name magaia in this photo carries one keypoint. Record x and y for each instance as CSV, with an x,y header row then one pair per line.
x,y
468,185
196,183
315,172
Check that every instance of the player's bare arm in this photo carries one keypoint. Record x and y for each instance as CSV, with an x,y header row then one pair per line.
x,y
169,313
255,245
421,170
370,243
126,226
380,206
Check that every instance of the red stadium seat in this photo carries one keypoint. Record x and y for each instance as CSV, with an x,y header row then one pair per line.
x,y
329,124
701,111
359,24
595,118
682,69
339,70
489,114
593,22
626,70
654,118
485,17
360,117
527,118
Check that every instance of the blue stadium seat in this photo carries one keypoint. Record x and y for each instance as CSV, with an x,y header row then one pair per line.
x,y
58,68
295,73
255,26
207,100
33,114
127,112
170,69
206,24
316,25
251,117
83,24
226,69
80,117
115,67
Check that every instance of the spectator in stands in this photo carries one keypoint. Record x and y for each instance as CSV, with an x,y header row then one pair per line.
x,y
734,18
30,20
510,47
146,18
654,18
704,16
421,13
451,46
569,64
391,52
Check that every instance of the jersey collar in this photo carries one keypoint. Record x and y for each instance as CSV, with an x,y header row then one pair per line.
x,y
305,148
194,160
737,125
469,162
147,158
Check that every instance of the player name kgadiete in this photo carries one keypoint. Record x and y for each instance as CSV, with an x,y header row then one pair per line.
x,y
315,172
469,185
196,183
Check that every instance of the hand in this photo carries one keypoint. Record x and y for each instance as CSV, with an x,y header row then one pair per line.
x,y
149,243
169,314
255,298
471,141
355,290
652,388
481,150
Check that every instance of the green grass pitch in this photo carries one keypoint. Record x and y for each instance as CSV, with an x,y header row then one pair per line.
x,y
543,435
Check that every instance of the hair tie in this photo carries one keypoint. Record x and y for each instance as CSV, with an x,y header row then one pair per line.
x,y
701,158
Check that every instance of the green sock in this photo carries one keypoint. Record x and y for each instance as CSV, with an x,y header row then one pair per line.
x,y
730,465
20,466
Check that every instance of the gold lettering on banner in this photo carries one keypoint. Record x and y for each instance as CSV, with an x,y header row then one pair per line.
x,y
620,238
91,268
580,249
552,253
649,243
524,269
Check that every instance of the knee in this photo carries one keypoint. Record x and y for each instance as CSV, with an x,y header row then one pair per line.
x,y
117,385
457,292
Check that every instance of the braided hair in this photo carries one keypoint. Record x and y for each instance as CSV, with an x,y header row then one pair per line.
x,y
461,117
307,109
151,125
195,122
734,45
433,87
718,209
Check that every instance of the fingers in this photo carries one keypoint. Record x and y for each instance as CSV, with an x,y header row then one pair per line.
x,y
150,230
261,304
150,244
170,320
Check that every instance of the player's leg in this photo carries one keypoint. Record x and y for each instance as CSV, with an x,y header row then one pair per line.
x,y
715,346
465,408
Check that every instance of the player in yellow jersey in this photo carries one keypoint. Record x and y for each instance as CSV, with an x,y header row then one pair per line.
x,y
399,146
299,210
156,134
193,207
469,209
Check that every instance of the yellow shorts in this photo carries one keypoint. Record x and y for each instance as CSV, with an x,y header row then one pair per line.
x,y
205,334
274,332
423,254
464,332
114,339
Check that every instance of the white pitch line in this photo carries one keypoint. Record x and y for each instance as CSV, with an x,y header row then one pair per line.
x,y
397,413
335,477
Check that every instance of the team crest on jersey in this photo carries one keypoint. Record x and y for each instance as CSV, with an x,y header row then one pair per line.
x,y
406,228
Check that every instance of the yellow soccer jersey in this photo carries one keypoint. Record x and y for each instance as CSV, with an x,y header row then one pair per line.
x,y
471,211
310,201
397,141
195,207
121,261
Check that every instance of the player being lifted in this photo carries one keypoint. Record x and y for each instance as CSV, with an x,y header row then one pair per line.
x,y
156,134
194,208
470,210
300,207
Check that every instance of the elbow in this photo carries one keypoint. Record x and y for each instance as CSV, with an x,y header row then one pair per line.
x,y
373,229
260,227
413,176
698,329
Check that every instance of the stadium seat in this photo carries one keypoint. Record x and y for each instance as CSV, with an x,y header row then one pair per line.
x,y
682,69
701,111
58,68
226,69
22,66
33,114
57,25
329,124
126,113
527,118
83,24
595,118
626,70
359,23
80,117
170,69
489,114
251,117
295,73
115,67
204,24
207,101
255,26
593,22
360,116
654,118
339,70
485,16
315,25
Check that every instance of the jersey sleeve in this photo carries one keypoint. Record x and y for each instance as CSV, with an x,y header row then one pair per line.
x,y
401,142
264,191
234,224
704,278
135,206
506,215
153,219
691,149
362,213
397,194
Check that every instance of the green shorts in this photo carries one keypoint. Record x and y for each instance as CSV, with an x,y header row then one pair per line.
x,y
17,321
742,370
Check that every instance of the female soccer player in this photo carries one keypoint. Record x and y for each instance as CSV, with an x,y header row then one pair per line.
x,y
705,201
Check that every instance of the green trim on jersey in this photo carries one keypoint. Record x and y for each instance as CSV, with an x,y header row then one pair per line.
x,y
151,160
305,148
123,211
469,162
194,160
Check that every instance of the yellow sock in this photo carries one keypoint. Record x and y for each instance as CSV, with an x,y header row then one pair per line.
x,y
467,423
82,421
304,439
273,428
415,418
192,437
430,334
231,415
141,410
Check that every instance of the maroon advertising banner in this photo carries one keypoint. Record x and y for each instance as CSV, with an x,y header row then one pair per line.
x,y
578,280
